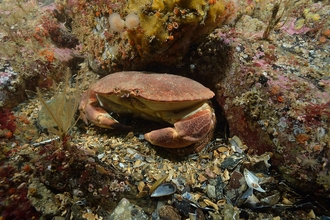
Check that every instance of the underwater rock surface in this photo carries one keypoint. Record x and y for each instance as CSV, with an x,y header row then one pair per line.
x,y
269,69
162,34
277,99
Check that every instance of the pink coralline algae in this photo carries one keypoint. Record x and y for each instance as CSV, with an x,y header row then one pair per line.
x,y
290,29
277,100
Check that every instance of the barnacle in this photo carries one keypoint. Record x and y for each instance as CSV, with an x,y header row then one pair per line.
x,y
309,162
252,100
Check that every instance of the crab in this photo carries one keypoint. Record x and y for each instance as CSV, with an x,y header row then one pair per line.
x,y
178,100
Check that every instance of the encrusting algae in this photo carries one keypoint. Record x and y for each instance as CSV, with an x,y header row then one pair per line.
x,y
166,23
144,32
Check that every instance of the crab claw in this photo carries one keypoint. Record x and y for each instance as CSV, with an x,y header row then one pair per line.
x,y
97,115
186,132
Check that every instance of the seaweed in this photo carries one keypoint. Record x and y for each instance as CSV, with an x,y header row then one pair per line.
x,y
275,17
315,113
58,113
7,120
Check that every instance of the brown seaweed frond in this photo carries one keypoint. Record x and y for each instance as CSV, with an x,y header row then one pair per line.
x,y
276,16
58,113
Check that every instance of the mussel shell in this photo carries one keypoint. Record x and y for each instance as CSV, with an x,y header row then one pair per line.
x,y
231,162
272,199
165,189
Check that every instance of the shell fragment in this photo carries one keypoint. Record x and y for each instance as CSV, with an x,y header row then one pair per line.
x,y
252,180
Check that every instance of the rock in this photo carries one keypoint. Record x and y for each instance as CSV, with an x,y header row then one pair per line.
x,y
168,212
272,107
210,191
126,210
42,199
162,34
39,51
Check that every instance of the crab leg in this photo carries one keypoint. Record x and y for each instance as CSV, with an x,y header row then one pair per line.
x,y
89,111
185,132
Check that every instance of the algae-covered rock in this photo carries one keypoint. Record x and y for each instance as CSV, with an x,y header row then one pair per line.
x,y
169,27
42,199
134,35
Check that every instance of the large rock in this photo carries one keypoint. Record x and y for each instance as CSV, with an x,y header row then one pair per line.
x,y
137,35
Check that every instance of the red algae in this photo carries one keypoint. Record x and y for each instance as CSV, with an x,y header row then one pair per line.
x,y
7,120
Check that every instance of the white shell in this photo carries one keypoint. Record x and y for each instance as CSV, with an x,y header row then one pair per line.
x,y
236,144
252,180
